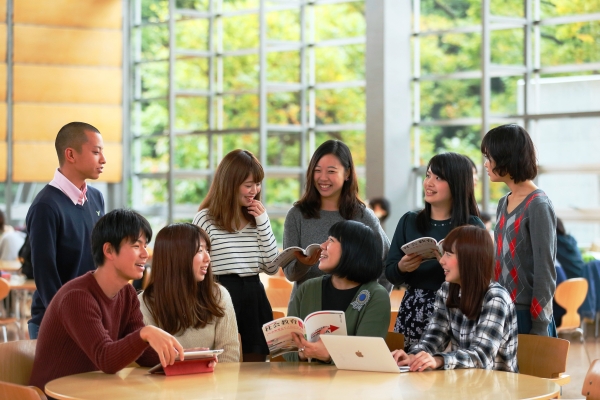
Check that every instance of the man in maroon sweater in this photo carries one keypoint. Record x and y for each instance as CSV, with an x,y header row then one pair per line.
x,y
94,322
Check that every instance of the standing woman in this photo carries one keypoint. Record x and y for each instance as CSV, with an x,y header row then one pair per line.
x,y
449,203
242,244
330,196
525,233
182,297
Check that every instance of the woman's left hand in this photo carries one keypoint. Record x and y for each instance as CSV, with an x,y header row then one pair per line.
x,y
256,208
424,360
308,349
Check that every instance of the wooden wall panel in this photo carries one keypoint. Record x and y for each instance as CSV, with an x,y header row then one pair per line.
x,y
2,82
3,43
2,123
51,84
41,167
3,155
2,10
76,13
46,45
41,122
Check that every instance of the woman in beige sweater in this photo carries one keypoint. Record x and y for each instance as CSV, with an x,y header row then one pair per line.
x,y
182,297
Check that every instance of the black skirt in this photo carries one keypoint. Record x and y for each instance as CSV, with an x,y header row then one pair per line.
x,y
252,310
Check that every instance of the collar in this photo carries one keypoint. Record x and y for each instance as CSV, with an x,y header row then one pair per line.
x,y
77,195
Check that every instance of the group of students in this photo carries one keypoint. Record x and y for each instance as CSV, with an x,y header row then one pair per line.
x,y
204,288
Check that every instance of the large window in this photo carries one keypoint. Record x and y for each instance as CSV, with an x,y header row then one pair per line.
x,y
277,78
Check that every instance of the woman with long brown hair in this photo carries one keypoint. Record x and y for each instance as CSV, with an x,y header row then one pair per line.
x,y
243,244
330,196
473,314
182,297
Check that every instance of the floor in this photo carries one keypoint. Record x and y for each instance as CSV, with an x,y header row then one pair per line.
x,y
578,362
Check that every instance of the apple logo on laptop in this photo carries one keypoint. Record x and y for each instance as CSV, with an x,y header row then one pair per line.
x,y
359,354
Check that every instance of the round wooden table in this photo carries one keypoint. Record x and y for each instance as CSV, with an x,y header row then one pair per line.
x,y
283,380
10,265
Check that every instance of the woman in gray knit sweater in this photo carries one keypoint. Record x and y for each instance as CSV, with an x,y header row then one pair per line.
x,y
330,196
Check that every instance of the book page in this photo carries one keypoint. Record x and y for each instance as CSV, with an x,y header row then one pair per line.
x,y
426,247
325,322
287,256
278,334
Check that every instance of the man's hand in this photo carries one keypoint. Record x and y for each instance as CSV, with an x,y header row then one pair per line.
x,y
165,345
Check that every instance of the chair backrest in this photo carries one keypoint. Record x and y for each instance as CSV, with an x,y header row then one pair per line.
x,y
542,356
16,361
570,294
393,317
591,384
279,283
394,341
278,297
12,391
4,288
396,298
278,314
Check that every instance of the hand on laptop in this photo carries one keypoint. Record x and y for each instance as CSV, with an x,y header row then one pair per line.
x,y
417,362
311,350
165,345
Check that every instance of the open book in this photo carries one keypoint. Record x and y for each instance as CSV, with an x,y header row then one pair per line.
x,y
286,256
426,247
278,333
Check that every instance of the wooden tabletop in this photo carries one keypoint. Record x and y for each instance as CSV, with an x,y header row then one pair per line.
x,y
6,265
283,380
29,285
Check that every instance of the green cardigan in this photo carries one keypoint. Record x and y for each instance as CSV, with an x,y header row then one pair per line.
x,y
370,317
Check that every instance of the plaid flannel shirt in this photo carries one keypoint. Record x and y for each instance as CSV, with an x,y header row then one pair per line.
x,y
490,342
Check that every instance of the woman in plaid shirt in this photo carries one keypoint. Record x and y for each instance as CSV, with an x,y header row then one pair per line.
x,y
472,313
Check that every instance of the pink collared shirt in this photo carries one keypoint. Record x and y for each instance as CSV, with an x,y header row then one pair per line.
x,y
74,193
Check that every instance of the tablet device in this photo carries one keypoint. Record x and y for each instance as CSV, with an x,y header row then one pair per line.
x,y
194,361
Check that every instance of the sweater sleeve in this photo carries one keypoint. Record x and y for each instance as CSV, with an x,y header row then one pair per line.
x,y
266,243
226,331
83,322
295,270
42,225
542,230
392,273
375,318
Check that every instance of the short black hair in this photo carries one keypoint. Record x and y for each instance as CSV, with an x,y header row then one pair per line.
x,y
71,135
361,253
560,227
485,217
512,149
116,226
384,204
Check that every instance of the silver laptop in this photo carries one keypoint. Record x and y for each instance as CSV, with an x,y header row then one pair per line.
x,y
361,353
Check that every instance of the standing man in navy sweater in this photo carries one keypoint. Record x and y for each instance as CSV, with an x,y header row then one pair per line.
x,y
61,218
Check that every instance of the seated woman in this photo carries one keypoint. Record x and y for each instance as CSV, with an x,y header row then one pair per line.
x,y
182,297
472,313
351,260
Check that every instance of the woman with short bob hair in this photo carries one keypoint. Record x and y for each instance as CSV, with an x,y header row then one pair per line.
x,y
182,297
525,232
243,244
473,314
449,203
330,195
351,262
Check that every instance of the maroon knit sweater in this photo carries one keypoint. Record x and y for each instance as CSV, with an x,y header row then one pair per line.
x,y
83,330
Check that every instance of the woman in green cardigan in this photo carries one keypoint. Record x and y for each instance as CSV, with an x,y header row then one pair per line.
x,y
351,261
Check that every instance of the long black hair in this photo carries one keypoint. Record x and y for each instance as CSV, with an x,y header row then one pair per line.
x,y
457,170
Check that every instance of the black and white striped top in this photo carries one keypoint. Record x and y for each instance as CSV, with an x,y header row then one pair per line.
x,y
245,252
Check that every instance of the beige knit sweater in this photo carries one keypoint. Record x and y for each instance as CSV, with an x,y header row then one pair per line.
x,y
219,334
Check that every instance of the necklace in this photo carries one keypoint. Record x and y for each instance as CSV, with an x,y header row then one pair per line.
x,y
441,223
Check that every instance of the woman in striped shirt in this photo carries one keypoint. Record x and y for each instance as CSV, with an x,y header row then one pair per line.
x,y
242,244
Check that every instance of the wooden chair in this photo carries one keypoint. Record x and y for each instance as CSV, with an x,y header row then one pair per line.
x,y
16,361
393,317
591,383
279,297
280,283
278,314
544,357
570,294
4,322
394,341
12,391
396,298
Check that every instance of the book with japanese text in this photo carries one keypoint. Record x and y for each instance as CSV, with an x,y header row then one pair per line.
x,y
278,333
426,247
287,255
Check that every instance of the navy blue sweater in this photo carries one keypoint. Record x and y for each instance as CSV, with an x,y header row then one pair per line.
x,y
60,237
